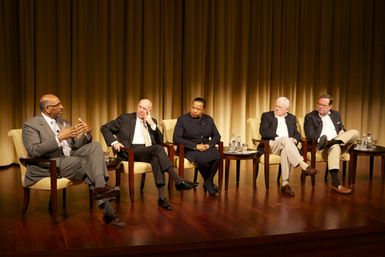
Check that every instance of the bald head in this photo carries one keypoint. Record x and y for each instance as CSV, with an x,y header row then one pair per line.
x,y
51,105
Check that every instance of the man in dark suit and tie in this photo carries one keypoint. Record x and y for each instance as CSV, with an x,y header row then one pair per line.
x,y
140,132
199,135
280,128
325,126
47,135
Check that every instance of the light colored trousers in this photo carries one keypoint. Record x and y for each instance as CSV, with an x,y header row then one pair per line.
x,y
333,153
290,156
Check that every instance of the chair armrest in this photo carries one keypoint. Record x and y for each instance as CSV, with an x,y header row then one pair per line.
x,y
170,150
52,167
130,154
313,152
304,148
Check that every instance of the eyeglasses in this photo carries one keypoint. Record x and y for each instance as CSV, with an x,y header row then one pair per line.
x,y
54,105
142,108
322,105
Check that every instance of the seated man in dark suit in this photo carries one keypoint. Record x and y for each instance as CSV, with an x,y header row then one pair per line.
x,y
47,135
199,135
280,128
140,132
325,126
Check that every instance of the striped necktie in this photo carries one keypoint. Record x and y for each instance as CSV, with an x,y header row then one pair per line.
x,y
64,144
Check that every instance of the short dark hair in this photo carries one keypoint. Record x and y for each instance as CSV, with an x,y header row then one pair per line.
x,y
328,97
201,100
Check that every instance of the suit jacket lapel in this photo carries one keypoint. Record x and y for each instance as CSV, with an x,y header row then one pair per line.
x,y
45,126
132,127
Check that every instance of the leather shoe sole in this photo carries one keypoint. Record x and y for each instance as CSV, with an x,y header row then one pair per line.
x,y
185,185
102,202
342,190
322,142
105,192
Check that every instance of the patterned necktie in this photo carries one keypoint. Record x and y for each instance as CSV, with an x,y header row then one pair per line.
x,y
145,133
64,144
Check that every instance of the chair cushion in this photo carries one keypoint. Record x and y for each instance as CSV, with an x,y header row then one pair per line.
x,y
45,183
273,159
139,167
187,164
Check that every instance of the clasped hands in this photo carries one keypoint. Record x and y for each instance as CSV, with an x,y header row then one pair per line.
x,y
202,147
75,131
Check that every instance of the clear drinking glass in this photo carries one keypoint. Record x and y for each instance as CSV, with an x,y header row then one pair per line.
x,y
244,147
374,142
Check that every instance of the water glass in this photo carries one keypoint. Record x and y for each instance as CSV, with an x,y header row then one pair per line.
x,y
374,142
358,144
244,147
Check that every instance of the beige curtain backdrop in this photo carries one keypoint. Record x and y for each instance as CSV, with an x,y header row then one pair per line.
x,y
101,57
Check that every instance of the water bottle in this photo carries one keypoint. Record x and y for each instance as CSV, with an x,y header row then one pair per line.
x,y
369,140
363,142
232,143
239,144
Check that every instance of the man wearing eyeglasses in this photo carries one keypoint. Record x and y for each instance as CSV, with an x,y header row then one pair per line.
x,y
325,125
139,131
48,135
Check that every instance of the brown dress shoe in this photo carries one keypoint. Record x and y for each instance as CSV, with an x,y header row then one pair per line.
x,y
310,171
342,190
105,192
287,190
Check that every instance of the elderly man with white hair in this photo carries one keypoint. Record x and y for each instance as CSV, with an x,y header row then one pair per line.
x,y
279,127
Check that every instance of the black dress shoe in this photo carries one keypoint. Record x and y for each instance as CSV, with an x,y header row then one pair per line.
x,y
185,185
114,220
105,192
322,142
164,204
215,187
334,142
212,191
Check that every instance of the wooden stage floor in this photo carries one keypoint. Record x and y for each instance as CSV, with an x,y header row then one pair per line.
x,y
240,222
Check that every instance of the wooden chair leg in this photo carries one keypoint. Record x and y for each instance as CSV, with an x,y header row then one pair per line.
x,y
53,205
344,165
255,175
91,200
27,193
267,171
279,174
195,176
118,171
170,186
64,192
142,182
326,175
